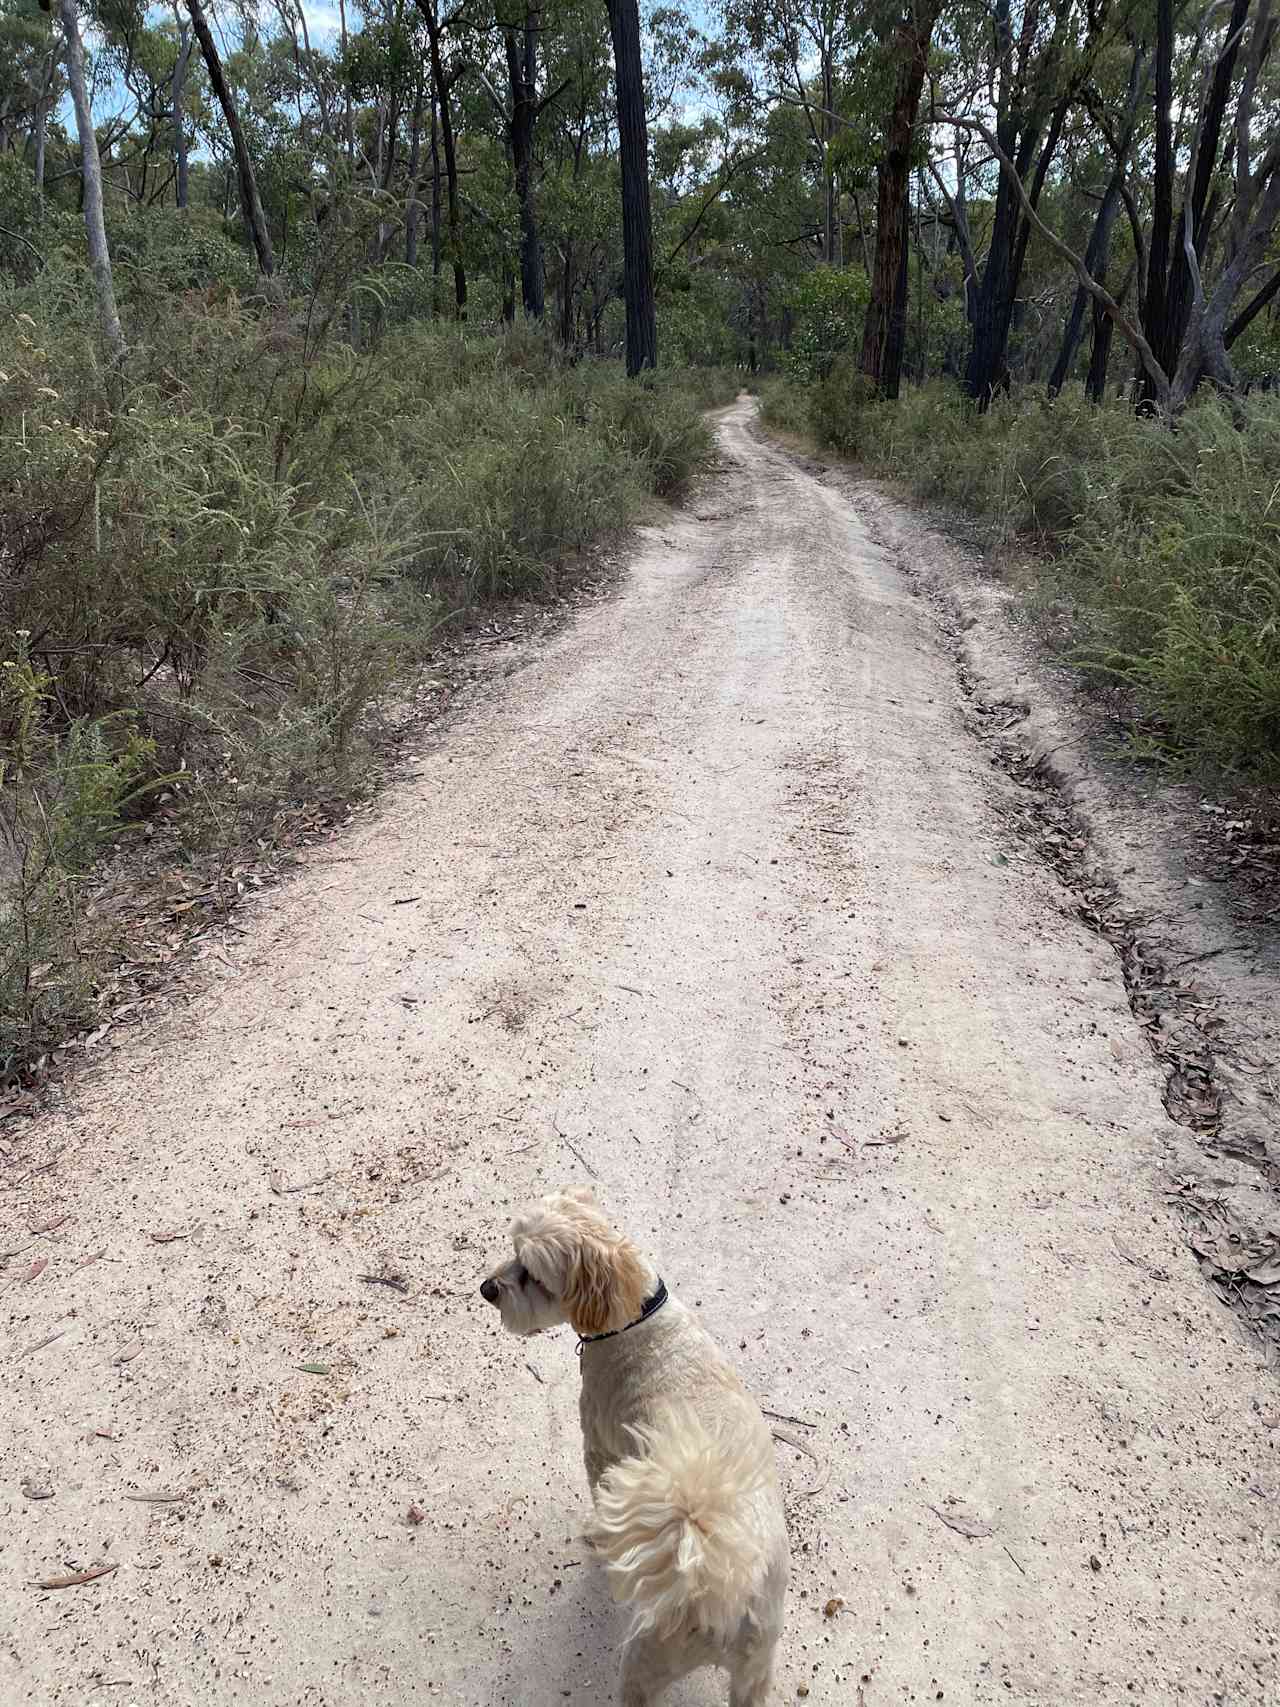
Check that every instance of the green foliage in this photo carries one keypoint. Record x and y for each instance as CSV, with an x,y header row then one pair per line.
x,y
829,305
784,404
63,789
838,405
226,564
1160,548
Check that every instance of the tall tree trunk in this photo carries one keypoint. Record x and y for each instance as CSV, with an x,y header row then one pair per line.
x,y
250,203
893,174
435,207
828,176
40,124
1099,248
1021,118
896,337
988,367
42,127
348,125
567,288
412,206
633,139
1104,326
91,181
1198,201
1095,260
442,86
179,117
1154,304
522,75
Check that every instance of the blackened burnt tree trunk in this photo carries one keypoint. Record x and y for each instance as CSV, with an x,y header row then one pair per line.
x,y
522,75
1099,249
250,202
633,142
1104,326
881,349
413,207
1032,103
1166,309
442,86
1095,260
988,368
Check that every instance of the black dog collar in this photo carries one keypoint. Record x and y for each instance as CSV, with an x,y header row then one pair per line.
x,y
652,1305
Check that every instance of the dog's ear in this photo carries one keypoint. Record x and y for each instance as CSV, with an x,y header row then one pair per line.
x,y
580,1194
606,1287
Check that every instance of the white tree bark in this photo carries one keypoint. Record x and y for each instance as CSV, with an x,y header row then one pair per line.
x,y
91,172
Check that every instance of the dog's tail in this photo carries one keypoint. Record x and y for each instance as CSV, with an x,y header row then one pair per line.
x,y
677,1527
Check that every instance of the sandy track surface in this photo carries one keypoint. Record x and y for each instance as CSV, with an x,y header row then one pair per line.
x,y
707,903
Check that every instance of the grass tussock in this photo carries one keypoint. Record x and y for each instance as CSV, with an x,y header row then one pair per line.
x,y
1159,547
216,568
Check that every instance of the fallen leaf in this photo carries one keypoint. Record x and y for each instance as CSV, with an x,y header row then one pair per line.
x,y
32,1492
1265,1273
129,1353
314,1368
1127,1251
158,1498
76,1578
41,1344
282,1190
973,1528
894,1137
38,1267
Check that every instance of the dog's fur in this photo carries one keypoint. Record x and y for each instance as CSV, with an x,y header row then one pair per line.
x,y
688,1518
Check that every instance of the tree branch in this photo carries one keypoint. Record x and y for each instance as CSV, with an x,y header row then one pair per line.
x,y
27,244
1132,336
734,168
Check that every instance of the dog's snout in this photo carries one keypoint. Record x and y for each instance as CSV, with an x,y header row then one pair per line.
x,y
489,1291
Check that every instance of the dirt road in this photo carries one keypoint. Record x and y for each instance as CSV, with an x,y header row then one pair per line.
x,y
711,903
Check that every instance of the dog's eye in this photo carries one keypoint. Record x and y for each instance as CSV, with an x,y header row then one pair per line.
x,y
523,1277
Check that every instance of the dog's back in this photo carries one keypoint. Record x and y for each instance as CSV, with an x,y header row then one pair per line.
x,y
688,1515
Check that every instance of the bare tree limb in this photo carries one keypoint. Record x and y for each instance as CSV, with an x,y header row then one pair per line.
x,y
1128,331
26,243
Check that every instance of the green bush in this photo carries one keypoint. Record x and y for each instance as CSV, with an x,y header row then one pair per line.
x,y
1161,546
828,307
226,560
839,405
63,788
784,404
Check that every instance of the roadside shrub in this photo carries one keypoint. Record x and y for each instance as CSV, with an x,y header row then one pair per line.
x,y
63,788
784,404
653,423
828,306
839,405
1162,546
1176,565
227,560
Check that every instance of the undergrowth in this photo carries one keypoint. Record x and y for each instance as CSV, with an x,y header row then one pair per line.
x,y
216,567
1159,547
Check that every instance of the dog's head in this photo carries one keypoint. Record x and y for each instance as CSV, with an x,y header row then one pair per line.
x,y
569,1266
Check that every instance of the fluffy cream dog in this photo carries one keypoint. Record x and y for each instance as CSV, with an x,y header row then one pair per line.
x,y
688,1518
